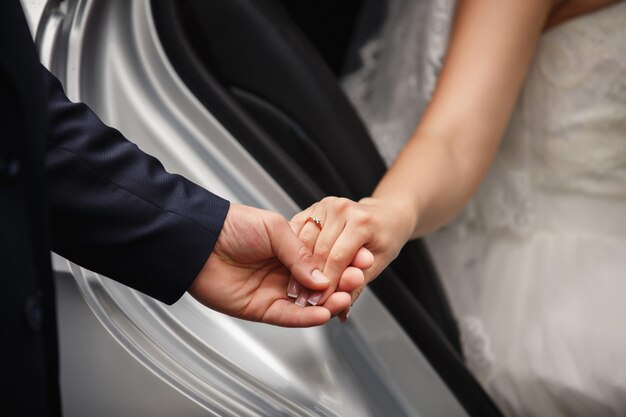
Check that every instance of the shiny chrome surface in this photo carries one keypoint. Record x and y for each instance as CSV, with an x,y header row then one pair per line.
x,y
123,353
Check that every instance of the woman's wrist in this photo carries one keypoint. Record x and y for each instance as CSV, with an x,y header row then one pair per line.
x,y
403,213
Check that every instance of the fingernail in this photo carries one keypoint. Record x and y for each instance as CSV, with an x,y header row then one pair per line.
x,y
344,315
319,278
302,298
315,298
293,288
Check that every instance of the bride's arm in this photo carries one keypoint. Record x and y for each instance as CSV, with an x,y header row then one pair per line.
x,y
490,50
449,153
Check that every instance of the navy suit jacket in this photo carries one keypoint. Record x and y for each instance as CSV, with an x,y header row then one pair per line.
x,y
71,184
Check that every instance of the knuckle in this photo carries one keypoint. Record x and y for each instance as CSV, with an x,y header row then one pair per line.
x,y
337,256
304,253
328,199
360,218
340,204
323,249
307,238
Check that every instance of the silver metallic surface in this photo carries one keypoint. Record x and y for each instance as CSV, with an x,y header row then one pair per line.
x,y
123,353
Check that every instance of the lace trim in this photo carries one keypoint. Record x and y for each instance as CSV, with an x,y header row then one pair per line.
x,y
476,346
391,78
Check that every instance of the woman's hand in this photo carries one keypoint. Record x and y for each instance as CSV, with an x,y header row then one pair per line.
x,y
381,226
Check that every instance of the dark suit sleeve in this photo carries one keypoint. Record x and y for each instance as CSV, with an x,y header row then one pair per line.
x,y
116,211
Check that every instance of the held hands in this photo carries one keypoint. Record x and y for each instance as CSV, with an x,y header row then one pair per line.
x,y
345,227
247,273
257,260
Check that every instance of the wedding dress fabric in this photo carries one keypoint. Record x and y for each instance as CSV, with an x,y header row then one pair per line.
x,y
535,266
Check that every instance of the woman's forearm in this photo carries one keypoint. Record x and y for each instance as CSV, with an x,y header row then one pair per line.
x,y
441,167
432,180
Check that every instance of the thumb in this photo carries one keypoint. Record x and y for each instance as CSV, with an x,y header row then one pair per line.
x,y
292,253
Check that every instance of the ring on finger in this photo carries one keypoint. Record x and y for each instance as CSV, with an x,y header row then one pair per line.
x,y
316,220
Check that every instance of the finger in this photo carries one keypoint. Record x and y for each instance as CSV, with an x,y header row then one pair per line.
x,y
324,241
356,293
327,236
292,253
309,234
287,314
364,259
303,297
351,279
293,288
333,227
344,315
299,220
343,252
338,302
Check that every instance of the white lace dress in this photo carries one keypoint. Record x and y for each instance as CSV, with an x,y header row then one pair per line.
x,y
535,267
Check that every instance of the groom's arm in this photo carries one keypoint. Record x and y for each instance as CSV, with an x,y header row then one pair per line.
x,y
115,210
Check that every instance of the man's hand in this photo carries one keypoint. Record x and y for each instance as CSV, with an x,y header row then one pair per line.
x,y
246,275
